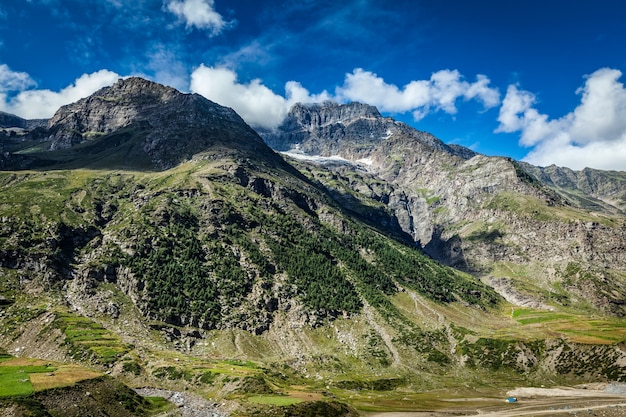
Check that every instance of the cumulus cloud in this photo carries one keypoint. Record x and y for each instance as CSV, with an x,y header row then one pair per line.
x,y
258,105
36,104
439,93
517,114
261,107
592,135
602,112
198,13
14,80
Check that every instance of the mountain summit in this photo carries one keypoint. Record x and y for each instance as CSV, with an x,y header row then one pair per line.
x,y
349,129
136,123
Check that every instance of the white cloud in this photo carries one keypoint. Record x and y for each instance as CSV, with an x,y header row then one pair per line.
x,y
296,93
198,13
254,102
593,135
261,107
490,97
517,114
14,80
421,97
602,112
35,104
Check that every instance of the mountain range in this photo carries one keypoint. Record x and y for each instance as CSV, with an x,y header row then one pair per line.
x,y
343,255
477,213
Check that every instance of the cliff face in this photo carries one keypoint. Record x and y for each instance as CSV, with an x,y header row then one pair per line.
x,y
422,171
481,214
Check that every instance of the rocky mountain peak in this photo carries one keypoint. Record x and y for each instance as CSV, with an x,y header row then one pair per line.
x,y
128,101
350,130
144,125
137,86
318,115
326,128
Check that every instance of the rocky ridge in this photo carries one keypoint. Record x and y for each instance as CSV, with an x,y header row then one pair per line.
x,y
590,188
8,120
331,129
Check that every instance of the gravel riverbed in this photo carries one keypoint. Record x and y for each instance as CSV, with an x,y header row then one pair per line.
x,y
189,405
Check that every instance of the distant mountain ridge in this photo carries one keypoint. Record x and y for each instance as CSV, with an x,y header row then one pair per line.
x,y
8,120
588,187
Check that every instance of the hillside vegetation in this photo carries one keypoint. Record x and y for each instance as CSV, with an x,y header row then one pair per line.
x,y
217,269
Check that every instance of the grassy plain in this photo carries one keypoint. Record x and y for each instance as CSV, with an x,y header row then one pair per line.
x,y
278,400
589,329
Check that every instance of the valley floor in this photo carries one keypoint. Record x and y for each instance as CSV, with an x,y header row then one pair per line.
x,y
536,402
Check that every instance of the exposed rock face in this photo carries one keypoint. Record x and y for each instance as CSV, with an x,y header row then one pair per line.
x,y
128,101
351,129
406,159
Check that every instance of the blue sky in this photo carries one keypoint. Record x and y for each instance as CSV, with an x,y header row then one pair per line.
x,y
534,80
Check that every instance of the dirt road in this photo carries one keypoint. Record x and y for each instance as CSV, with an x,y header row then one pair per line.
x,y
536,402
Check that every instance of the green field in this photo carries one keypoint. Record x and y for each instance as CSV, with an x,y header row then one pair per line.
x,y
575,327
15,379
86,337
274,400
23,376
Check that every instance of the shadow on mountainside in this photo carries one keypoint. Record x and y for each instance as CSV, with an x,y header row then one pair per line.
x,y
447,251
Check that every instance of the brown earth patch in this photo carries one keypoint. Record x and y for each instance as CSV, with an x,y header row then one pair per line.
x,y
62,377
305,396
25,362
